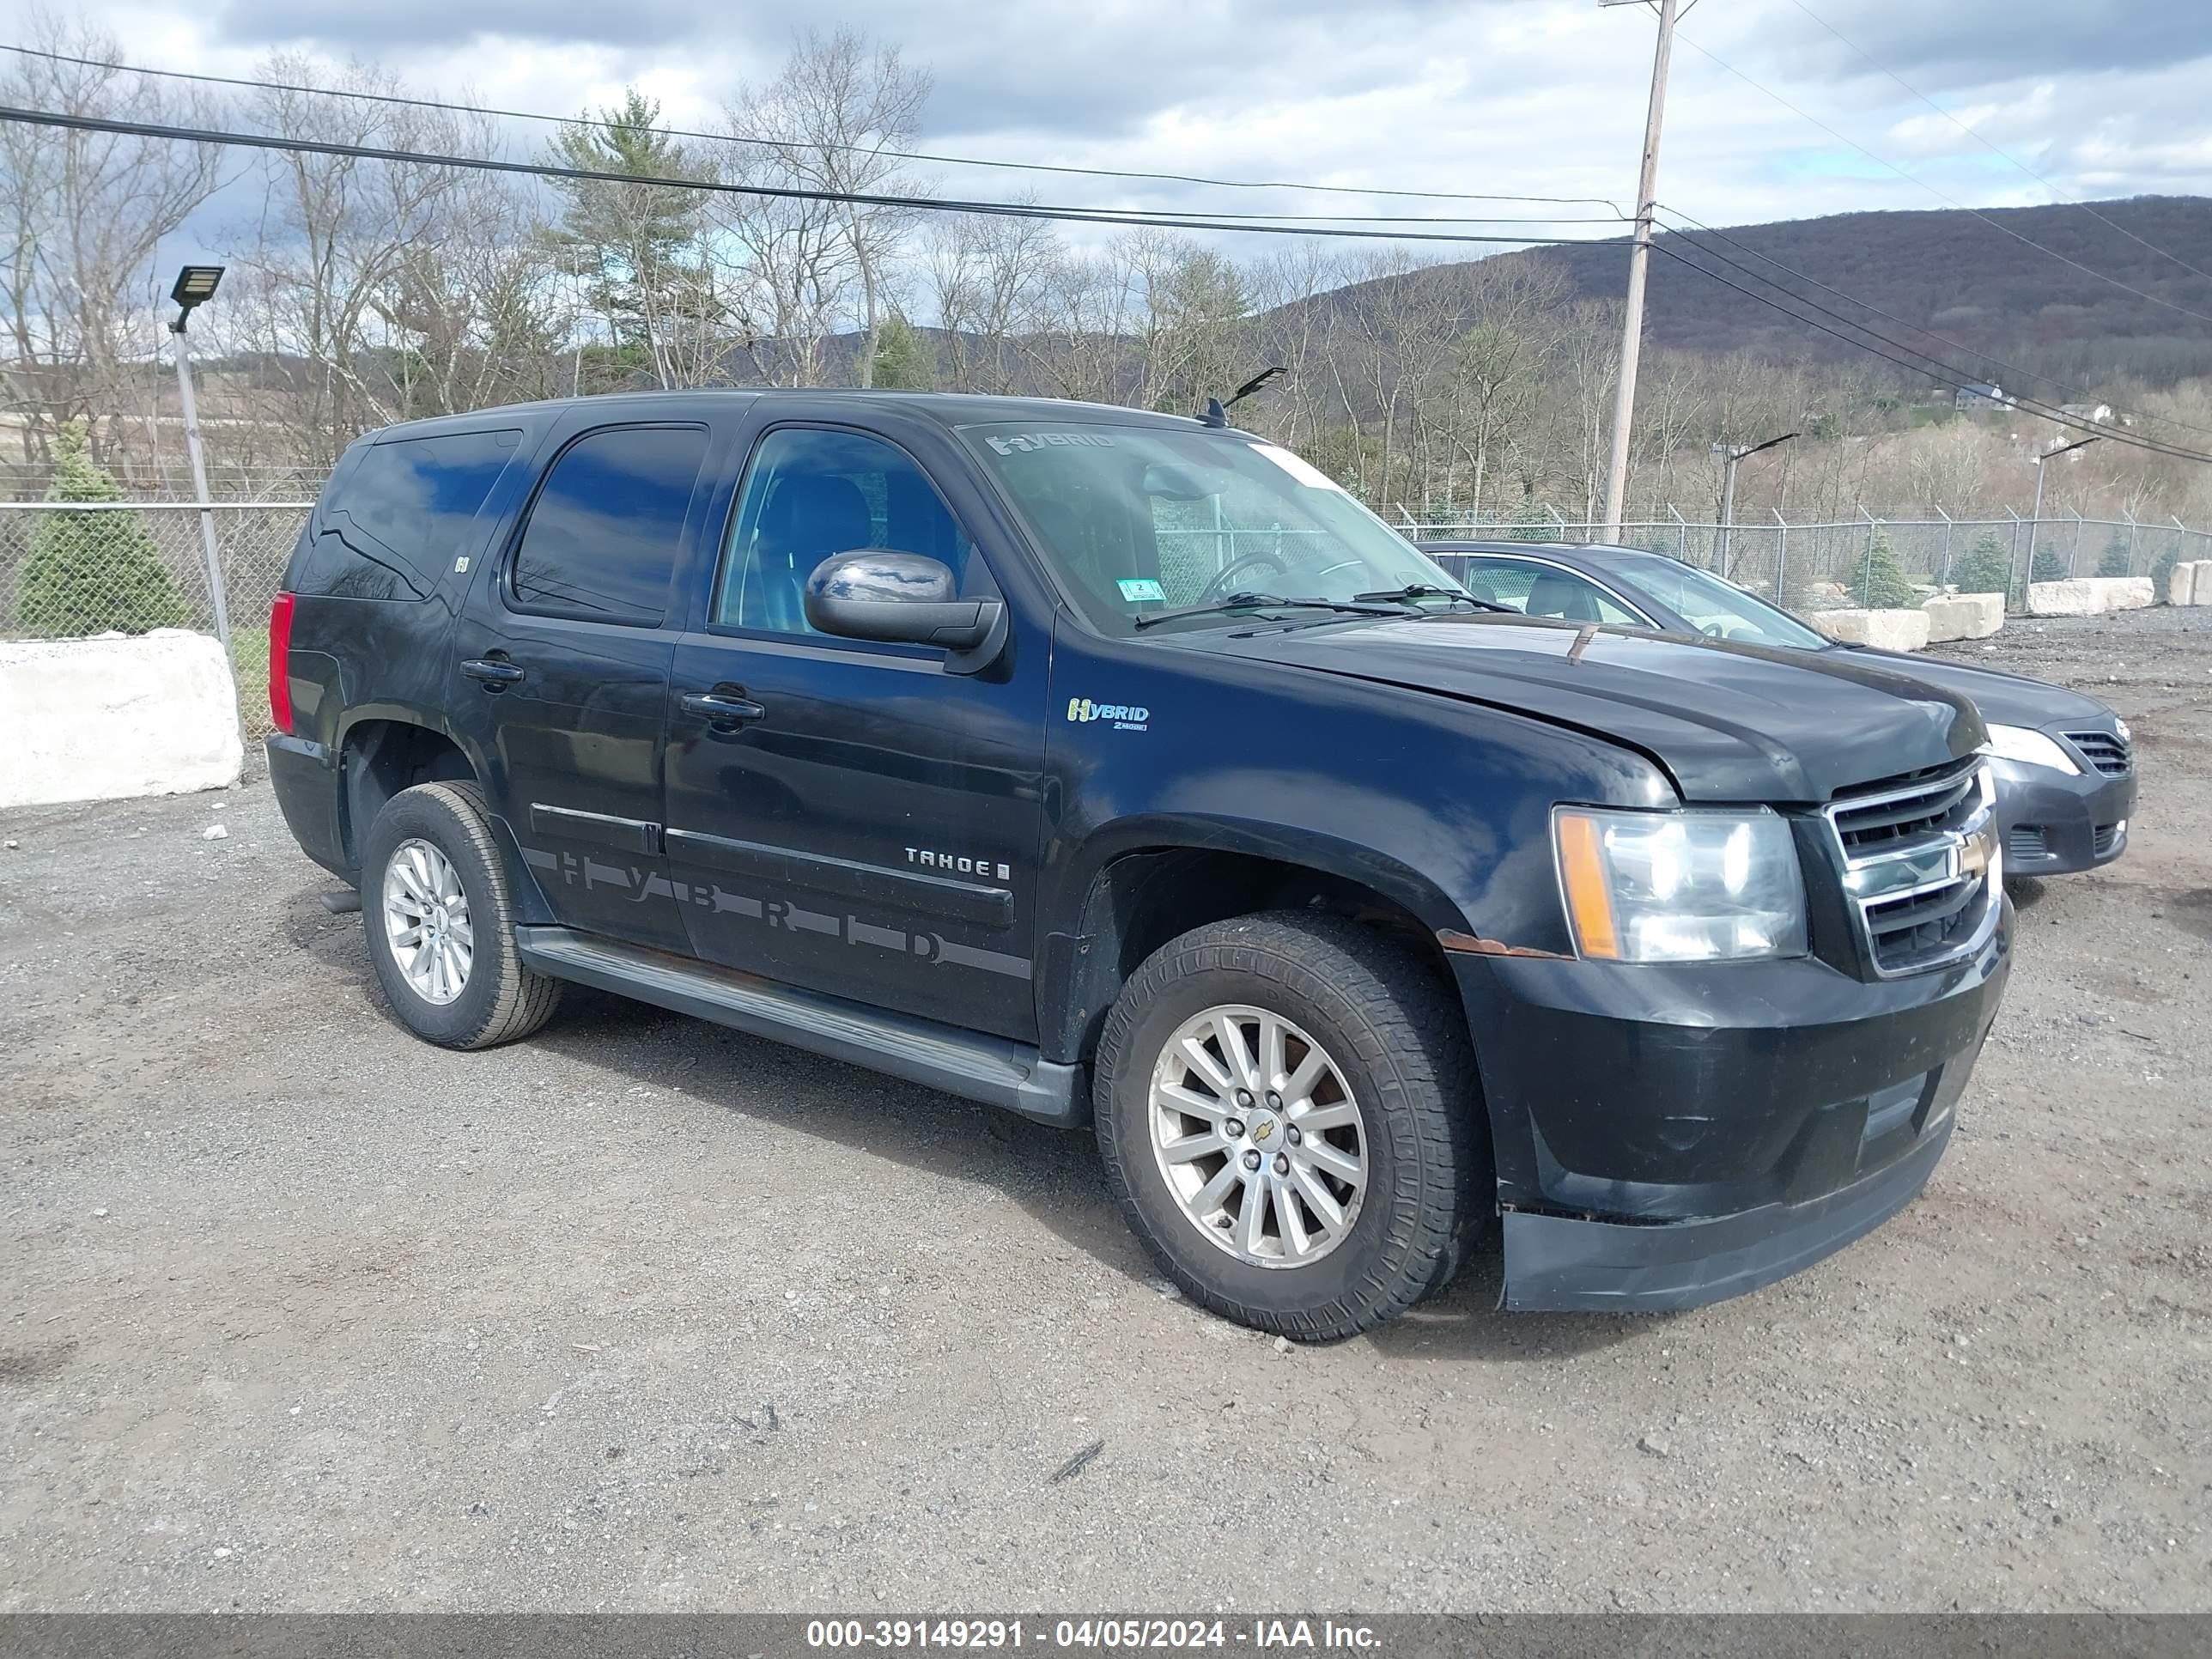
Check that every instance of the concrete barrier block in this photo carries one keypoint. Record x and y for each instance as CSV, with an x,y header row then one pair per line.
x,y
1886,630
1964,616
2077,597
2190,583
2123,593
113,716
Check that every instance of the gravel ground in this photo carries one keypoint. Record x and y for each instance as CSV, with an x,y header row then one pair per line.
x,y
300,1313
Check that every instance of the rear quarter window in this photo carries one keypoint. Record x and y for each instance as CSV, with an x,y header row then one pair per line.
x,y
395,522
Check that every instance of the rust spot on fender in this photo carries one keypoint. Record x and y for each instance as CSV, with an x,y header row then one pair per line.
x,y
1468,944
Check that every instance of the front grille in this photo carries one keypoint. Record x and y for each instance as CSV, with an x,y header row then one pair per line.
x,y
2108,751
1921,864
2025,843
1912,808
2103,839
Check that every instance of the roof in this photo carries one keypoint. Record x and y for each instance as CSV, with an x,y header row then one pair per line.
x,y
948,409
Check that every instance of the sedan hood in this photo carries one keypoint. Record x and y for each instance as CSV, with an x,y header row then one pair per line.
x,y
1727,722
2009,699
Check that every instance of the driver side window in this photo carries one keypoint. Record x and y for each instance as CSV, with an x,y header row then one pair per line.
x,y
810,494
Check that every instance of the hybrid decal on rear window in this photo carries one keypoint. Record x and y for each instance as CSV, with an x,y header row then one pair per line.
x,y
1023,442
1127,717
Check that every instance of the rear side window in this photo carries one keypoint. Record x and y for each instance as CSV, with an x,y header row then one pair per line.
x,y
404,514
602,539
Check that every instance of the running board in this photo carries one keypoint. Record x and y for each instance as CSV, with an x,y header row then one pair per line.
x,y
993,1070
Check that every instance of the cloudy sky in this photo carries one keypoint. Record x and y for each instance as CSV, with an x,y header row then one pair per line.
x,y
1538,97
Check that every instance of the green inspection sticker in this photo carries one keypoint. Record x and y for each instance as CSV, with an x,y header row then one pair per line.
x,y
1137,589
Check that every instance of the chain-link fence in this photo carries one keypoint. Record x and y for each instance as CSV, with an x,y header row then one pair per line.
x,y
70,569
1847,561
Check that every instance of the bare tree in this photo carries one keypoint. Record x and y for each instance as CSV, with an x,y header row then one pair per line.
x,y
831,121
83,214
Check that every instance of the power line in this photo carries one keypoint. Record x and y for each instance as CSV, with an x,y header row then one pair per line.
x,y
781,143
781,192
1941,373
1991,146
1977,213
1903,322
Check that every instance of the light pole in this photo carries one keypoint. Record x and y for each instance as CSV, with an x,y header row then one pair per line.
x,y
1639,262
1732,457
196,286
2035,516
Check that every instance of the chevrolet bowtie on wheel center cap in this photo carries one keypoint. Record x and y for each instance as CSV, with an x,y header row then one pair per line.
x,y
1258,1137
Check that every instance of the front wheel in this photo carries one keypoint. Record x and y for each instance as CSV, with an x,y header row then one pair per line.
x,y
1286,1109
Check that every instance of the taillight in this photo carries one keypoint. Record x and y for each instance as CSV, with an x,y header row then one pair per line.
x,y
280,663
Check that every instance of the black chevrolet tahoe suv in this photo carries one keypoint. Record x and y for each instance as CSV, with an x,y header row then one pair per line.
x,y
1119,768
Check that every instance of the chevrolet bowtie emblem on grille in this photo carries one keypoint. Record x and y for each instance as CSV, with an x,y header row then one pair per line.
x,y
1974,854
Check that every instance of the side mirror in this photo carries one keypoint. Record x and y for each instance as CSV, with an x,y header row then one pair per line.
x,y
900,598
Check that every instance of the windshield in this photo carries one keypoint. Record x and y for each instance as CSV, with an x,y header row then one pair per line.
x,y
1139,521
1711,606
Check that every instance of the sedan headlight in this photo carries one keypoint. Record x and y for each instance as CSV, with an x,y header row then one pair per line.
x,y
2030,748
1688,886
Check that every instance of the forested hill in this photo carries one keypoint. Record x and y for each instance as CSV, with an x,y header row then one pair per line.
x,y
1967,274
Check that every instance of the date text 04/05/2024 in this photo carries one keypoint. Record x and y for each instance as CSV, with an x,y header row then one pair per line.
x,y
1103,1634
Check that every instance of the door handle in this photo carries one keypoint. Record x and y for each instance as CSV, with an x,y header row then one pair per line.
x,y
492,673
722,708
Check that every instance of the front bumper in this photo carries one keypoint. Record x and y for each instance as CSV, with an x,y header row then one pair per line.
x,y
1670,1136
2052,824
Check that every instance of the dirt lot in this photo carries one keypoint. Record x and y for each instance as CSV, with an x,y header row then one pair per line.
x,y
296,1312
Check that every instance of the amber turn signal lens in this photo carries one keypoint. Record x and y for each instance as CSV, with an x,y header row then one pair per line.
x,y
1589,898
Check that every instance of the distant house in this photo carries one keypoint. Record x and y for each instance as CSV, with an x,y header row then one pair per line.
x,y
1972,399
2095,414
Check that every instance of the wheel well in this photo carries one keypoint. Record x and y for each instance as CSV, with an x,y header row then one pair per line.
x,y
381,758
1142,900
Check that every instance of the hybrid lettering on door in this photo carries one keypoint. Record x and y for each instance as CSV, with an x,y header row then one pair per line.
x,y
791,917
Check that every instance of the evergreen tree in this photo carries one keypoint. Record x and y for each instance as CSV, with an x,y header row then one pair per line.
x,y
904,359
637,245
1532,522
2117,562
2161,571
1985,569
1880,584
88,572
2048,565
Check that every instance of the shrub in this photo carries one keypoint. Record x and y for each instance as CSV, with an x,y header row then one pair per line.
x,y
1880,583
2117,562
2161,571
2048,566
1985,569
88,573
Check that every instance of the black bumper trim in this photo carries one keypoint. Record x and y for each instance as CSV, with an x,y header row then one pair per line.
x,y
1561,1264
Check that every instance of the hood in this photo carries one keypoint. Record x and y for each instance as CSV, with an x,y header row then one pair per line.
x,y
1728,722
2010,699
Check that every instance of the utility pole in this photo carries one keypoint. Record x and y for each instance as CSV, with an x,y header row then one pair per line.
x,y
1639,262
195,286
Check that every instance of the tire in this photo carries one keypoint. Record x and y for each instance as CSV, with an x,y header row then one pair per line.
x,y
497,999
1396,1040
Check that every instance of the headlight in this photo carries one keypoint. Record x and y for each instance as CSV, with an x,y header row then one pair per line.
x,y
2121,726
1679,886
2030,748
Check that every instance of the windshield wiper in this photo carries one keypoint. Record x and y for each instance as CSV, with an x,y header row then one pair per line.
x,y
1415,591
1262,602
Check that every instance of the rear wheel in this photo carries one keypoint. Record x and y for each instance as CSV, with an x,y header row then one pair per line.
x,y
436,906
1286,1109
